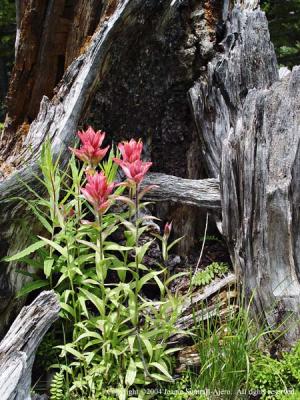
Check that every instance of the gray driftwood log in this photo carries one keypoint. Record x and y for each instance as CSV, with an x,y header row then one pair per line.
x,y
18,348
204,193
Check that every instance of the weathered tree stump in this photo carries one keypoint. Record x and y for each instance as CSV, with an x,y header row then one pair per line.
x,y
261,197
199,82
249,123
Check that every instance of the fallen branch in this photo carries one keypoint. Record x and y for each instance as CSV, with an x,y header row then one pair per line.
x,y
215,300
18,348
204,193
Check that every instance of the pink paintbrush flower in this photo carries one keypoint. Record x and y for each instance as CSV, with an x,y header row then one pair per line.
x,y
89,154
97,191
90,151
167,229
131,151
134,171
90,137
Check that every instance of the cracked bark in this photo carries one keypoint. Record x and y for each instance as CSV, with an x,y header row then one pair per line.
x,y
18,348
248,121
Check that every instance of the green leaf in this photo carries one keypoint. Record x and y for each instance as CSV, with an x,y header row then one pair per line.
x,y
131,373
131,340
29,250
175,242
36,264
85,259
160,377
142,250
31,286
162,369
62,278
148,346
159,284
146,278
98,303
63,251
89,244
108,231
69,349
41,218
68,309
89,334
172,350
81,300
117,247
175,276
48,264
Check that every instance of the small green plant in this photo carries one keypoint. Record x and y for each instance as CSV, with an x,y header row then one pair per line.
x,y
276,378
57,389
226,343
204,277
293,395
210,238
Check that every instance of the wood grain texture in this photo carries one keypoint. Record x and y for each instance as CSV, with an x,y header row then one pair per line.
x,y
203,193
246,61
261,198
248,121
218,299
18,348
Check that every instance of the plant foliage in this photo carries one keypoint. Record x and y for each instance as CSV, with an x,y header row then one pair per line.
x,y
92,254
204,277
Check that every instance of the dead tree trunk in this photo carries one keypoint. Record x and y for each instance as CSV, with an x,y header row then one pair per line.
x,y
137,64
50,34
261,193
249,123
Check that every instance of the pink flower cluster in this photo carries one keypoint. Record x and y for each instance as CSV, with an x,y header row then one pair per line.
x,y
97,190
90,150
134,168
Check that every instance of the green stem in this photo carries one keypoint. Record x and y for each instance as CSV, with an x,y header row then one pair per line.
x,y
71,283
131,197
100,220
78,206
136,255
52,192
51,256
66,359
102,287
139,342
100,236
